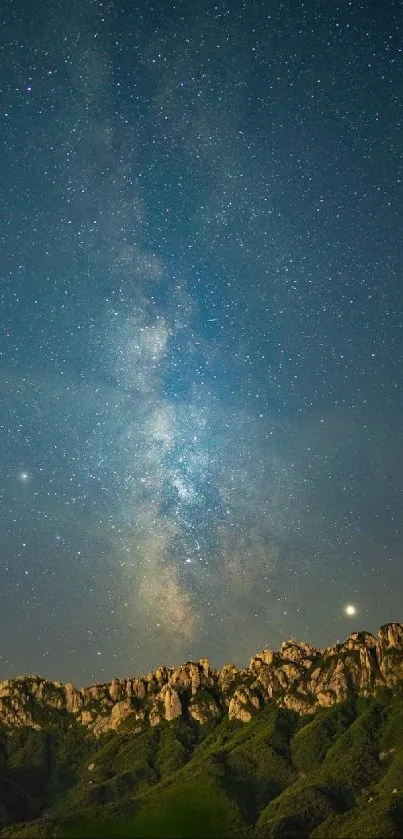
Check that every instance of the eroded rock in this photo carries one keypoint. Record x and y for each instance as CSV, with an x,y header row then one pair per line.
x,y
298,677
243,704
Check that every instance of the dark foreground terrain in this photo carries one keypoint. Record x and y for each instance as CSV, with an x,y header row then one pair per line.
x,y
336,772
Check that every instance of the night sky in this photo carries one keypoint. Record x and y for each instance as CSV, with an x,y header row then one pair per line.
x,y
201,322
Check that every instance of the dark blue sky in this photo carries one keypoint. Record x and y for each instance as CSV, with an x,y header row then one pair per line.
x,y
201,330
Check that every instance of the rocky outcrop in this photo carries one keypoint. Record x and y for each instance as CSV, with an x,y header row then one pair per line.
x,y
243,704
172,704
298,677
167,705
203,707
388,652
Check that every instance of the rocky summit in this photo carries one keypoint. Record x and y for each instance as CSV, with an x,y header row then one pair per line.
x,y
298,677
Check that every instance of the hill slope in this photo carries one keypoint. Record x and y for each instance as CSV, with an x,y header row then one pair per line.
x,y
320,768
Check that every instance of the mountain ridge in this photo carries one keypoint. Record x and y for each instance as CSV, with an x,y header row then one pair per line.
x,y
298,677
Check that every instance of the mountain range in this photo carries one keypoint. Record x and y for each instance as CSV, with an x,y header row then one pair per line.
x,y
302,742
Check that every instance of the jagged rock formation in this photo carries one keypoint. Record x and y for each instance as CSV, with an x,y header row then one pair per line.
x,y
299,677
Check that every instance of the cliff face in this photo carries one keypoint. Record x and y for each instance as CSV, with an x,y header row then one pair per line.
x,y
299,677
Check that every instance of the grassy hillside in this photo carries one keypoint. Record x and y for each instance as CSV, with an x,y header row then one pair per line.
x,y
339,774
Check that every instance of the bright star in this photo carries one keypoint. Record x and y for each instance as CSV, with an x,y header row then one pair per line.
x,y
350,610
23,477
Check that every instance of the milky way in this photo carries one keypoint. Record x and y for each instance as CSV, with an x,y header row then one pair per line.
x,y
198,510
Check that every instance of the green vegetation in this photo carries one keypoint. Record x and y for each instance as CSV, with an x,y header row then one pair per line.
x,y
311,743
336,775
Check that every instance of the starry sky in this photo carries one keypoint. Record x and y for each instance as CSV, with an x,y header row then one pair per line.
x,y
201,335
